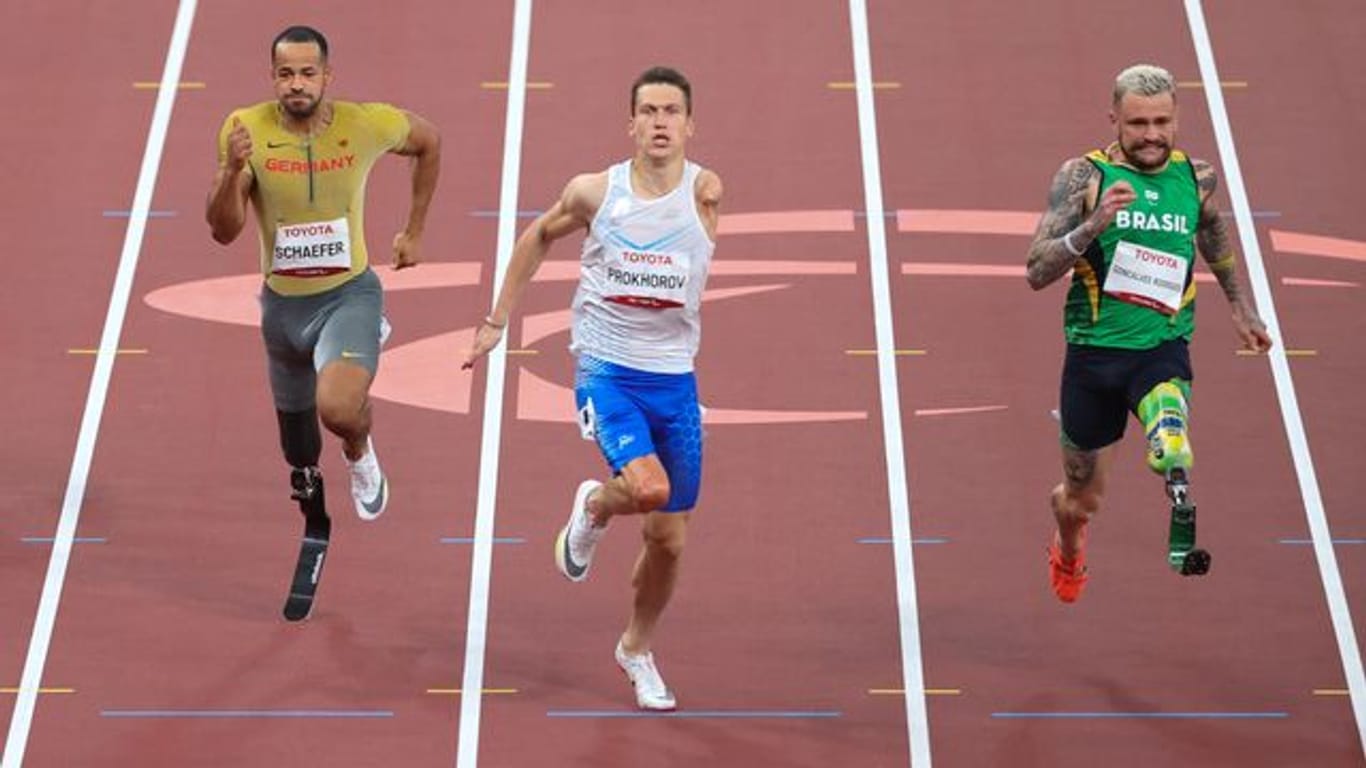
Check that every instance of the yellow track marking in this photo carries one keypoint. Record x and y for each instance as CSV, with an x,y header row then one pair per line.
x,y
523,352
1199,84
41,690
502,85
844,85
184,86
928,691
1331,692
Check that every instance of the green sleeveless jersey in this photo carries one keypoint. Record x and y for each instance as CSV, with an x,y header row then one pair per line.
x,y
1133,287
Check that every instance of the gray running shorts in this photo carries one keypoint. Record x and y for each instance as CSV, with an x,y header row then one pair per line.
x,y
305,333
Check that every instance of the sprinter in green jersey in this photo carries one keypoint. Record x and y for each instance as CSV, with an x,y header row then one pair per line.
x,y
1127,222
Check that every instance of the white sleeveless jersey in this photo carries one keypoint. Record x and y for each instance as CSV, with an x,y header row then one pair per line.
x,y
641,275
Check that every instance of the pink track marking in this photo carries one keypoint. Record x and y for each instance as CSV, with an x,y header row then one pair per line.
x,y
1317,245
785,221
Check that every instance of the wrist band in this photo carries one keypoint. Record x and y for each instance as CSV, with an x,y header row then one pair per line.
x,y
1072,249
488,320
1224,264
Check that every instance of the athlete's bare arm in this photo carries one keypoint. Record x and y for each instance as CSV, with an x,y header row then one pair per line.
x,y
708,191
424,146
1216,248
574,211
1069,225
226,210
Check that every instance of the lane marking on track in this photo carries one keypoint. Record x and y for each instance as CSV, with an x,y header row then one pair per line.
x,y
1334,593
96,352
1312,282
1331,692
1105,715
499,85
849,85
120,214
894,449
523,352
189,85
486,691
700,714
246,713
873,352
928,692
481,558
958,411
1199,85
21,719
1287,353
888,540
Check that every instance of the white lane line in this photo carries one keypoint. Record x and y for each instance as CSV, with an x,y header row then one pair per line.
x,y
913,676
476,629
22,718
1280,370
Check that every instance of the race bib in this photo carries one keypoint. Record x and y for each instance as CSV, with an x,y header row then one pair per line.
x,y
312,249
1147,277
649,279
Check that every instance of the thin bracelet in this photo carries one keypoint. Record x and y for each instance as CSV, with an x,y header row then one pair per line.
x,y
1072,249
488,320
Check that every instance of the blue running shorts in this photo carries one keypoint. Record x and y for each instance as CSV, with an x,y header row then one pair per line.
x,y
633,413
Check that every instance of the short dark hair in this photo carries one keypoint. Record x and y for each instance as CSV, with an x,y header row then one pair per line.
x,y
300,34
663,76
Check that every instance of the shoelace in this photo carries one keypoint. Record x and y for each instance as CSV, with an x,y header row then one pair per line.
x,y
646,675
364,474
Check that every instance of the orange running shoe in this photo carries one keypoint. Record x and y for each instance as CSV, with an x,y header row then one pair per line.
x,y
1068,578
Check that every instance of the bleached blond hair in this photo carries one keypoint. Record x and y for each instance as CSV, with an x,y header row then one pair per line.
x,y
1144,80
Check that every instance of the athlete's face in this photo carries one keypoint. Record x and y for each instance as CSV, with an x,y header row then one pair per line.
x,y
1147,129
660,124
301,78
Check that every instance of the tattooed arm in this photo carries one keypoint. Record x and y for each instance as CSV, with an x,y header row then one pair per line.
x,y
1065,229
1212,240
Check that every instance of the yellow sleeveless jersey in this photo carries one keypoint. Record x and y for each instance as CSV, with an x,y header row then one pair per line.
x,y
309,193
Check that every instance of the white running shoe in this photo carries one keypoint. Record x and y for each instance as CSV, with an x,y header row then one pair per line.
x,y
369,487
651,693
574,546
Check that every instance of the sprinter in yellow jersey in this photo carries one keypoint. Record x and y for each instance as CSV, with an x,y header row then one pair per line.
x,y
1126,222
301,162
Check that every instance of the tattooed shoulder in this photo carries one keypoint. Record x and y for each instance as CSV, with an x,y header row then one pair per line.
x,y
1206,178
1067,196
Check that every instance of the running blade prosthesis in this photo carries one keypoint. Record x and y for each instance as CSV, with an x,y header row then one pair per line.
x,y
307,487
1182,555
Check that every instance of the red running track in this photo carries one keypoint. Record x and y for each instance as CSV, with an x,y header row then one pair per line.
x,y
785,612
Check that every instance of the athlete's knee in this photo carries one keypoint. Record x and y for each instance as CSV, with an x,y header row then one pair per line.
x,y
341,409
300,438
650,493
1073,503
1165,416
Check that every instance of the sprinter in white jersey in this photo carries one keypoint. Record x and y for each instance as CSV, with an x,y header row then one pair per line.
x,y
651,228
